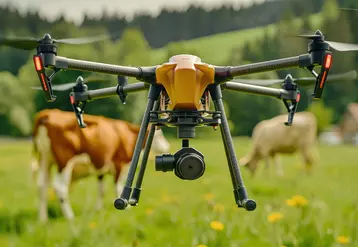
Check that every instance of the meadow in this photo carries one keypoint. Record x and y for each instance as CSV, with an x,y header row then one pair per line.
x,y
293,210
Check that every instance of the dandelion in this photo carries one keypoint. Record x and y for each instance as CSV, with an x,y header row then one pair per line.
x,y
209,196
274,217
217,225
342,240
149,211
92,225
300,200
201,245
219,208
297,201
290,202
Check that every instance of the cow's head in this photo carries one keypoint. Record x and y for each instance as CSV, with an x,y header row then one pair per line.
x,y
249,163
160,144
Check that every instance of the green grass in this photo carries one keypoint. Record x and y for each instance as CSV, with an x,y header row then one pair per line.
x,y
173,212
215,49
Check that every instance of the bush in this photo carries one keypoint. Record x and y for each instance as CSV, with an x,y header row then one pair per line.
x,y
323,114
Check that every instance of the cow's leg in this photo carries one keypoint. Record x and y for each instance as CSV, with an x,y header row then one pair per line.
x,y
43,146
120,178
43,183
278,165
308,159
267,163
100,181
63,181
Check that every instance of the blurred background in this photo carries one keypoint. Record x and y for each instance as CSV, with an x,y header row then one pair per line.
x,y
220,33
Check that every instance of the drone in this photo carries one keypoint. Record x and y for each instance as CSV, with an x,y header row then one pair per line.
x,y
179,92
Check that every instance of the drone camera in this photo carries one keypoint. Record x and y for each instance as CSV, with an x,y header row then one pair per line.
x,y
321,79
187,163
45,82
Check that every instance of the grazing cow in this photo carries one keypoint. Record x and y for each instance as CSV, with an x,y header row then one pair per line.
x,y
104,146
271,137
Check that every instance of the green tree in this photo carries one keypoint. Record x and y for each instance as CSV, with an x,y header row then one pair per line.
x,y
323,114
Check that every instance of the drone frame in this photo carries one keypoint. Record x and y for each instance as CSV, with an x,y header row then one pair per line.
x,y
318,55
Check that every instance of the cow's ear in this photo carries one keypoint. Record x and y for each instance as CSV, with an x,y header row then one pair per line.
x,y
243,161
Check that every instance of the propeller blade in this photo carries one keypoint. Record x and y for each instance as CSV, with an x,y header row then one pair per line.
x,y
36,88
338,46
308,36
308,81
63,87
259,82
83,40
25,43
29,43
68,86
60,87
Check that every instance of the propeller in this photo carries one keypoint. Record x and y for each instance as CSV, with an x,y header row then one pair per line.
x,y
29,43
338,46
70,85
302,81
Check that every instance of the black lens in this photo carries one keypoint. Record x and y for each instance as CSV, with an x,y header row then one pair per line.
x,y
191,166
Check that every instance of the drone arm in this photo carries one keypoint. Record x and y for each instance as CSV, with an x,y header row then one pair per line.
x,y
141,73
110,91
223,74
241,87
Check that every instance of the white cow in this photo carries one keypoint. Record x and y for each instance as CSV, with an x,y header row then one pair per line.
x,y
271,137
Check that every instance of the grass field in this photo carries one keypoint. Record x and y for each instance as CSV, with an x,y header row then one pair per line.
x,y
173,212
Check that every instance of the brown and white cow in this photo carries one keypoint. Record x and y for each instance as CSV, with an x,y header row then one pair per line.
x,y
104,146
271,137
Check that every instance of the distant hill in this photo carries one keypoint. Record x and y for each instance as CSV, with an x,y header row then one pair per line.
x,y
216,48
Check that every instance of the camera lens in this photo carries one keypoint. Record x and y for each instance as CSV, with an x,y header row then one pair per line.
x,y
191,166
164,163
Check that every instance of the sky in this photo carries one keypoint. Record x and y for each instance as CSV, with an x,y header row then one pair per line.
x,y
75,9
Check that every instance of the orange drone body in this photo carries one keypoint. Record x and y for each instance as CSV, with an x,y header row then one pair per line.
x,y
185,79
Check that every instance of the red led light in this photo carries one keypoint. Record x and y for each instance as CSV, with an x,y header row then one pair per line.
x,y
72,99
328,62
298,97
38,63
323,79
43,81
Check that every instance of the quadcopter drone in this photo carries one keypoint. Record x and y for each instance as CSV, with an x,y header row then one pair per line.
x,y
179,96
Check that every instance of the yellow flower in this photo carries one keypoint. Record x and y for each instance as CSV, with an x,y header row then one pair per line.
x,y
201,245
300,200
219,208
208,196
92,225
217,225
149,211
291,202
297,201
342,239
274,217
